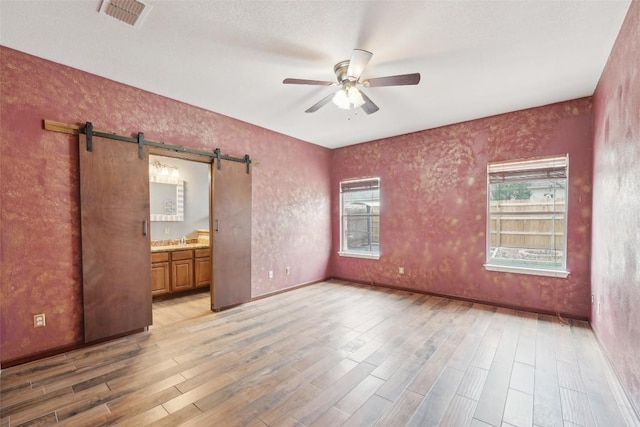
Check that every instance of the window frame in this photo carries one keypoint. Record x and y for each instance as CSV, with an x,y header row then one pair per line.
x,y
529,170
344,252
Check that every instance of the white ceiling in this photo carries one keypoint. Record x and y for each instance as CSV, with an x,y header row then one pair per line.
x,y
476,58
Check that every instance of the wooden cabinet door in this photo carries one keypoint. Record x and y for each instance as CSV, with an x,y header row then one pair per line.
x,y
203,271
182,275
231,235
160,278
116,262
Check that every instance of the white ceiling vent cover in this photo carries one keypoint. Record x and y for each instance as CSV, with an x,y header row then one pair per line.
x,y
130,12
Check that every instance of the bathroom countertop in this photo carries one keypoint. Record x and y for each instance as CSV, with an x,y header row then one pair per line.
x,y
167,248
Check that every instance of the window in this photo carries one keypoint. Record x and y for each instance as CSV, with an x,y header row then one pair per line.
x,y
527,216
360,218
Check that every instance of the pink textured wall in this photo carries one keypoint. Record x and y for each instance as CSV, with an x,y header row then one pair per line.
x,y
433,197
40,242
615,264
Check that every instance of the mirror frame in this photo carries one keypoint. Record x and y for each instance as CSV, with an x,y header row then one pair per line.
x,y
160,179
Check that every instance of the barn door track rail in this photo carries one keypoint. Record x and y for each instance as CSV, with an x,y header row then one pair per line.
x,y
90,132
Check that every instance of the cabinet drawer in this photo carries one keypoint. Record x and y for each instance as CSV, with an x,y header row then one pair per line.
x,y
201,253
159,256
181,255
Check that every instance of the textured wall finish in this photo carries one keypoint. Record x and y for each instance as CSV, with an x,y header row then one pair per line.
x,y
615,263
40,242
433,198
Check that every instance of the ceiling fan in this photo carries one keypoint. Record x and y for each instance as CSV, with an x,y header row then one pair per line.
x,y
348,73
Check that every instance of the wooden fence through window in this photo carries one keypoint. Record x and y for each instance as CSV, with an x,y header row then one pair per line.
x,y
527,224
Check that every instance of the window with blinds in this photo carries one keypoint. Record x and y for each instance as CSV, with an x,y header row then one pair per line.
x,y
360,218
527,215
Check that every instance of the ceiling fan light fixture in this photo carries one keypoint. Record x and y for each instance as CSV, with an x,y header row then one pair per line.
x,y
341,99
348,98
355,97
348,73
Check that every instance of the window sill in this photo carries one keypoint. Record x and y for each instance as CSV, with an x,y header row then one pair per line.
x,y
358,255
525,270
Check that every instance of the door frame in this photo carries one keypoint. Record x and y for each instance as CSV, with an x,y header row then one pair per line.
x,y
190,156
166,152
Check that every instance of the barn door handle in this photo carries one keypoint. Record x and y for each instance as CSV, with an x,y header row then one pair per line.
x,y
144,227
217,229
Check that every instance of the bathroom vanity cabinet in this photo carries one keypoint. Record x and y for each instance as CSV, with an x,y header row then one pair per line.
x,y
179,270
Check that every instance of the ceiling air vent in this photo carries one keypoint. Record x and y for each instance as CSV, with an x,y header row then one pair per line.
x,y
130,12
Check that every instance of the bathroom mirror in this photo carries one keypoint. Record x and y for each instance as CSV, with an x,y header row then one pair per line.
x,y
166,198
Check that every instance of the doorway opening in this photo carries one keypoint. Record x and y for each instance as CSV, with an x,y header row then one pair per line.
x,y
229,250
180,234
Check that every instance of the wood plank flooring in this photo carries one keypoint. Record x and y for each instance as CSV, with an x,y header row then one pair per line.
x,y
172,310
329,354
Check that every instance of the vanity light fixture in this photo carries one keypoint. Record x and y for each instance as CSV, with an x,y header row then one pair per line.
x,y
161,169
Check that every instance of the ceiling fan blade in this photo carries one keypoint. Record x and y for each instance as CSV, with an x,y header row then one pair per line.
x,y
359,60
315,107
369,107
307,82
400,80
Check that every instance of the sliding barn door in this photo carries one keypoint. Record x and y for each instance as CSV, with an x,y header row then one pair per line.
x,y
231,235
116,256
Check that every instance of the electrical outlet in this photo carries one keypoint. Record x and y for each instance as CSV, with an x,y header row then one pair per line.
x,y
288,271
39,320
270,274
167,230
400,270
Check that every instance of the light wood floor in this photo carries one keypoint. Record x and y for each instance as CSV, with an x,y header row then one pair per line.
x,y
174,310
327,355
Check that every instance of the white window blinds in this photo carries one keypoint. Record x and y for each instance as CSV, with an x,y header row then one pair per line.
x,y
360,185
528,169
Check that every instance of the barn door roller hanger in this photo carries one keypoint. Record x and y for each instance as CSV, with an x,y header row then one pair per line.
x,y
90,132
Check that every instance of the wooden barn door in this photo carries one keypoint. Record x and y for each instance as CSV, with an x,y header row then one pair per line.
x,y
116,256
231,235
